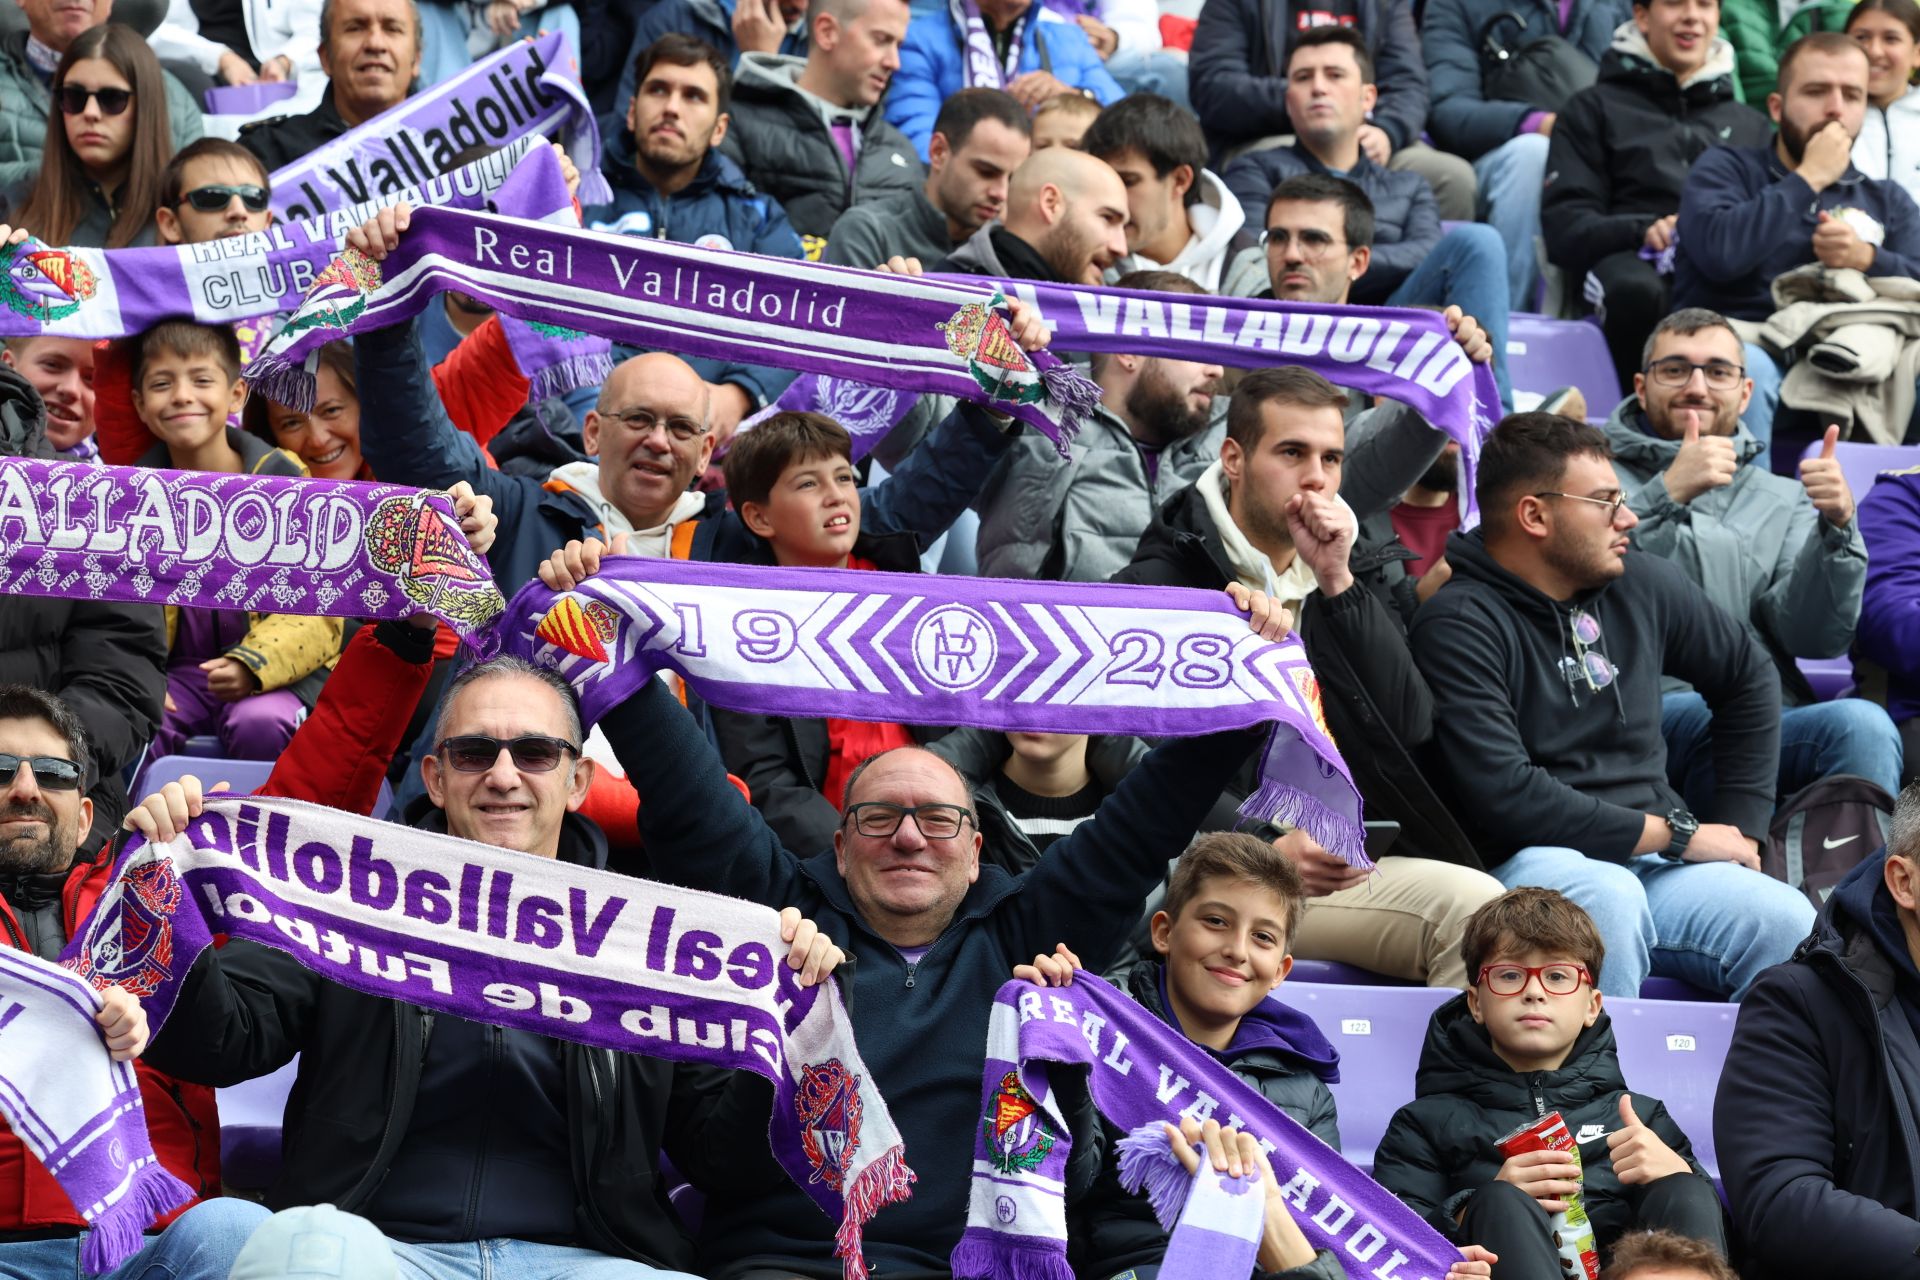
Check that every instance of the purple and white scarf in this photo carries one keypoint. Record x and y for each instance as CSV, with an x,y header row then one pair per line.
x,y
529,88
79,1111
1050,657
1143,1072
517,941
273,544
1401,353
914,334
985,69
1215,1220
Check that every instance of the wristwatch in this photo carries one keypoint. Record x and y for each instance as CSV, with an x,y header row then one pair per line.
x,y
1684,824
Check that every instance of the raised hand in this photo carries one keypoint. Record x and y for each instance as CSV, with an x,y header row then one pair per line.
x,y
1467,332
1826,483
574,563
1828,153
811,953
1702,463
1323,530
123,1023
1054,970
1264,614
1638,1154
379,235
758,26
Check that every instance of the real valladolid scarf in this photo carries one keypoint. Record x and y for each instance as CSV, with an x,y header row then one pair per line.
x,y
513,940
915,334
1141,1072
77,1109
986,69
1055,657
1399,353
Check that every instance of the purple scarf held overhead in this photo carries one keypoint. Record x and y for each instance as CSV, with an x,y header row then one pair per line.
x,y
529,88
916,335
1398,353
990,653
1142,1072
272,544
513,940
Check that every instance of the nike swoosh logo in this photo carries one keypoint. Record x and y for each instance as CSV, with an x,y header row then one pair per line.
x,y
1835,844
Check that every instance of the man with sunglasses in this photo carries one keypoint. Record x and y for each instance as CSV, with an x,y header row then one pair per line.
x,y
934,932
1545,654
1785,557
27,62
477,1150
213,190
45,892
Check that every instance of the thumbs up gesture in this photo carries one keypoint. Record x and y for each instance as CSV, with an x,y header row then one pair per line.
x,y
1638,1154
1826,484
1702,463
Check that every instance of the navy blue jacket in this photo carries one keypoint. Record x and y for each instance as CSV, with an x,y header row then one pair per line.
x,y
409,440
1814,1121
708,20
1406,220
1464,121
1237,73
719,209
922,1027
1745,218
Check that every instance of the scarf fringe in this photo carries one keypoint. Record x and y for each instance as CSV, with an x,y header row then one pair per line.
x,y
884,1181
1147,1160
283,381
1286,806
991,1255
1076,394
120,1232
587,369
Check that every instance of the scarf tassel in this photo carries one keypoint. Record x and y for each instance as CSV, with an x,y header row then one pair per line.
x,y
120,1231
1147,1160
1287,806
991,1255
587,369
885,1181
1076,394
285,382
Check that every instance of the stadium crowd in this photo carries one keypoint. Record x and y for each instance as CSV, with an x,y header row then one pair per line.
x,y
1584,728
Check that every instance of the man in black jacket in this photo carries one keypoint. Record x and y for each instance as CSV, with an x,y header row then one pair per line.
x,y
1814,1118
806,131
469,1146
370,50
1619,156
1269,512
1544,653
104,658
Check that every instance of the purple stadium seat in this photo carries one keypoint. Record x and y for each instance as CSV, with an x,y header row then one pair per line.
x,y
1861,463
243,777
1657,988
250,1118
1830,677
1544,355
1333,973
1674,1052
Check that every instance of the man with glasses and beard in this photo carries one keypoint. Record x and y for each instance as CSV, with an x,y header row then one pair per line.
x,y
1545,655
1785,557
1153,432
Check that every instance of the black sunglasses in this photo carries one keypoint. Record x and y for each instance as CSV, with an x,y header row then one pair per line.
x,y
73,99
50,773
214,199
532,753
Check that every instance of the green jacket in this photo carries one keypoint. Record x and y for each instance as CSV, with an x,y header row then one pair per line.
x,y
25,102
1761,30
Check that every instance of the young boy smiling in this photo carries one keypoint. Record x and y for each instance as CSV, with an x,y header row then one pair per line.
x,y
1529,1037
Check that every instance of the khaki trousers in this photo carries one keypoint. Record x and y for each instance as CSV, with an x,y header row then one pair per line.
x,y
1404,920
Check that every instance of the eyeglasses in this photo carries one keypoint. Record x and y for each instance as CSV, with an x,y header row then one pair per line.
x,y
1612,505
532,753
1313,244
1677,371
50,773
1588,668
73,99
1512,979
643,421
936,821
214,199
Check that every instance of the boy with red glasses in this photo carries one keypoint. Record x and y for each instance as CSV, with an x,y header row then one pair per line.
x,y
1527,1039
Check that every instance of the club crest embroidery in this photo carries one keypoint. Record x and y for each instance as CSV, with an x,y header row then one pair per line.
x,y
429,556
1309,686
132,931
978,334
828,1103
338,294
1019,1135
584,630
45,284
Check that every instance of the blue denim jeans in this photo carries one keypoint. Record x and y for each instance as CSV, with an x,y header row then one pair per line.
x,y
1511,177
1766,377
1468,269
518,1260
1847,735
1713,924
201,1244
1155,72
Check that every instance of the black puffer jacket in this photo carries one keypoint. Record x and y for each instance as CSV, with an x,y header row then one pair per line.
x,y
245,1010
781,139
1622,148
1439,1149
1277,1051
104,659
